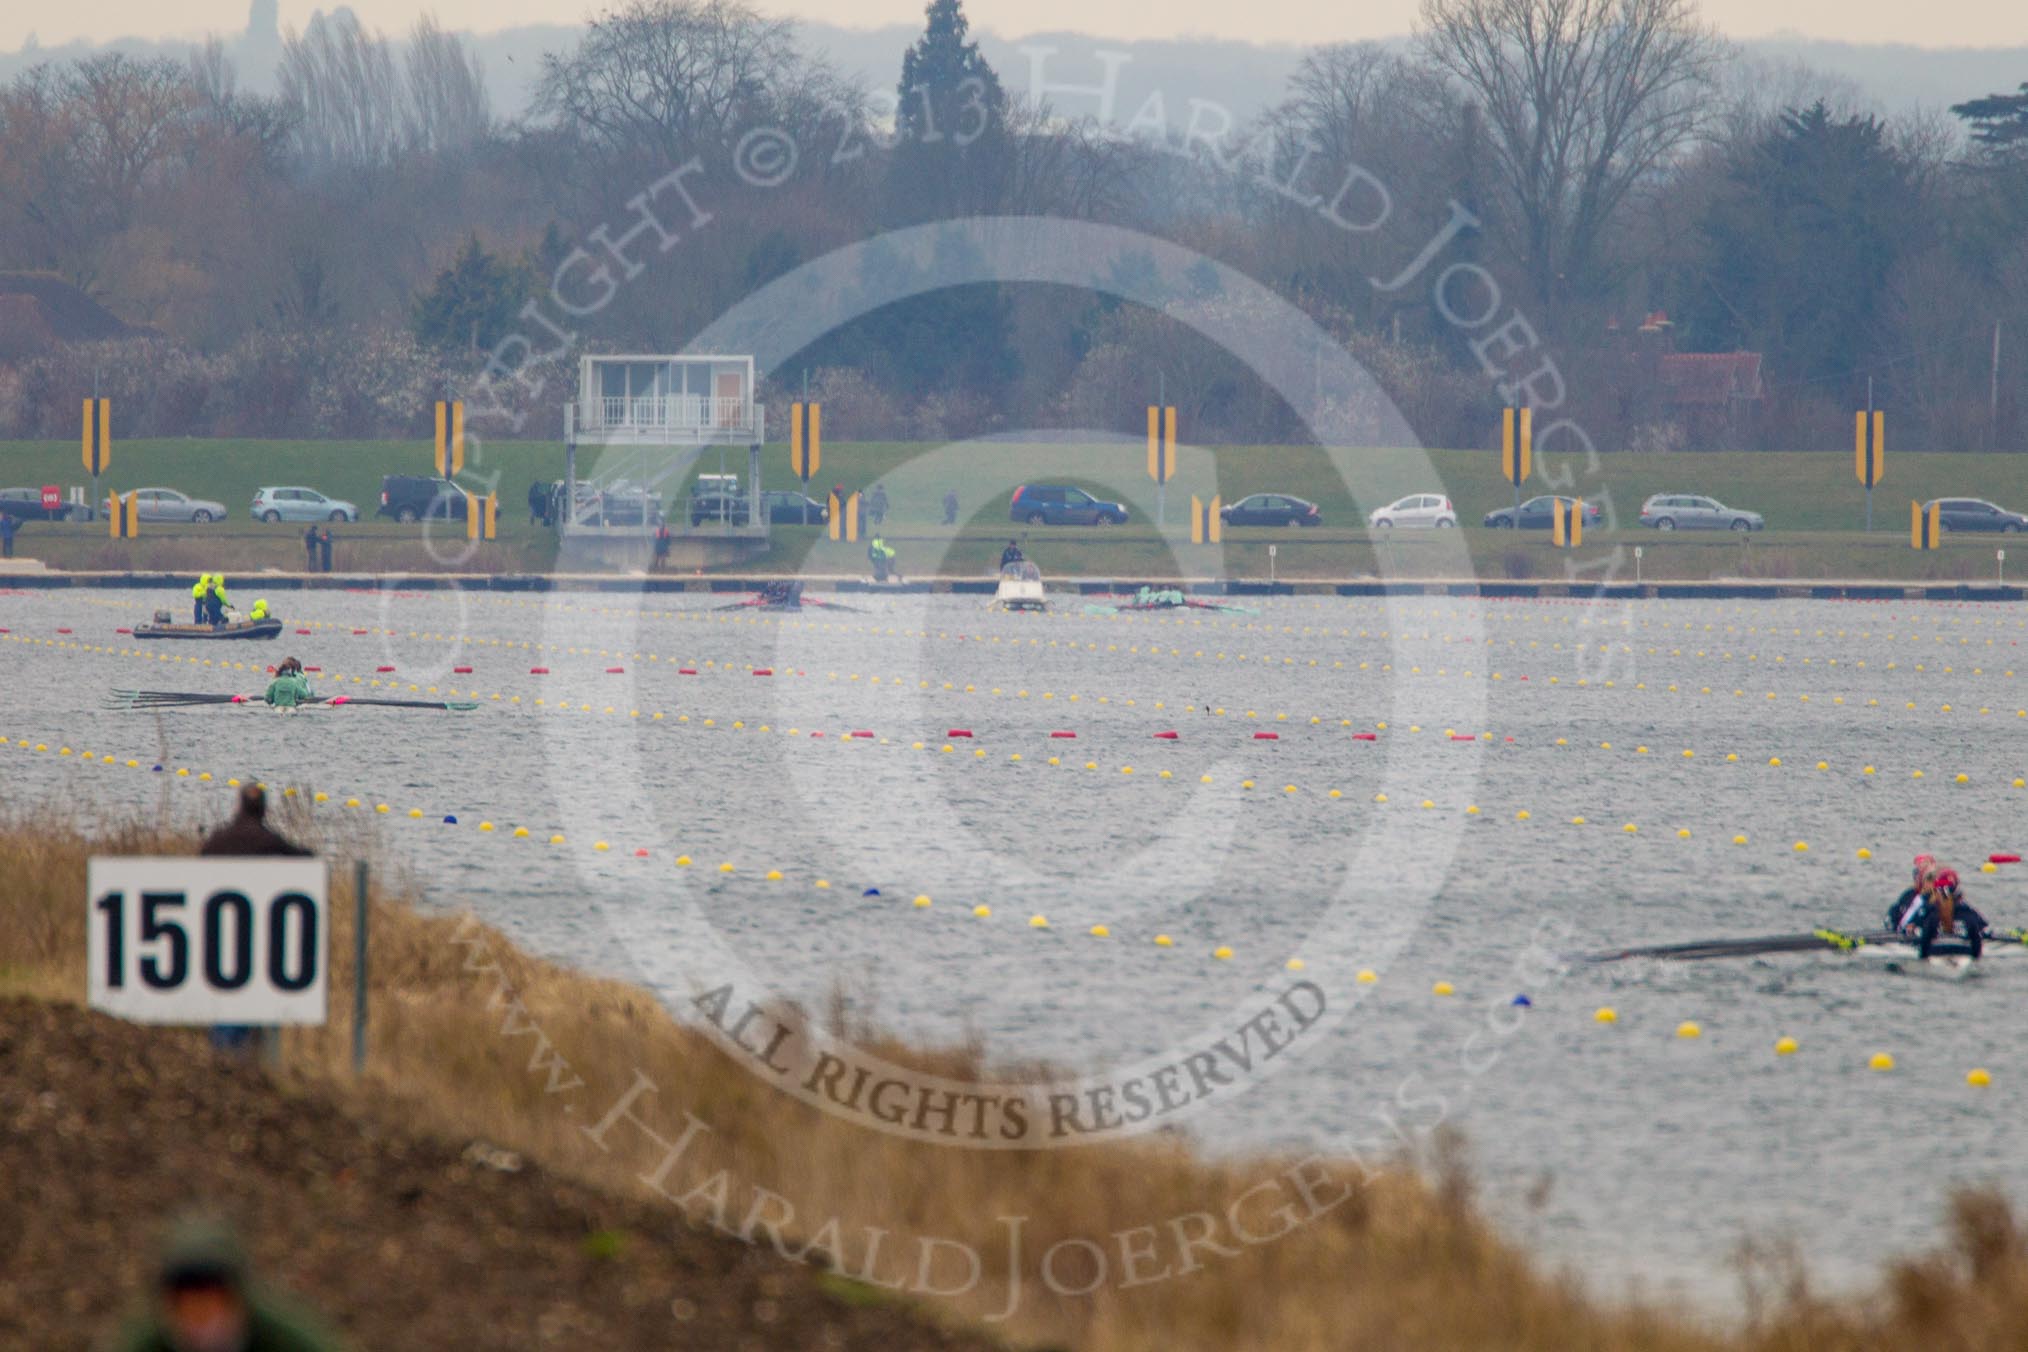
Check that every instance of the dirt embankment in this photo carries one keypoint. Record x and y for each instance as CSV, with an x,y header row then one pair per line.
x,y
108,1129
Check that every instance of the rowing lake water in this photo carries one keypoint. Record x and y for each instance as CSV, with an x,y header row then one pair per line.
x,y
1623,1151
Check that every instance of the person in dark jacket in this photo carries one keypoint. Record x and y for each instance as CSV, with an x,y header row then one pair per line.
x,y
950,507
8,525
310,550
205,1300
538,503
324,548
248,832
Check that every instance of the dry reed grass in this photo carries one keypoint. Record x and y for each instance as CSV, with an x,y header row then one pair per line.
x,y
1399,1264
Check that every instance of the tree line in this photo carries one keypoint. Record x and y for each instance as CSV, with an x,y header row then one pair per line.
x,y
1618,183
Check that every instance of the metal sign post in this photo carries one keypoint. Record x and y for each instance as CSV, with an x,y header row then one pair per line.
x,y
1271,564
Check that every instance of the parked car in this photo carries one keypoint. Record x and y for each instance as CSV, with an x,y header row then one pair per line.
x,y
789,508
166,504
25,504
300,504
1684,511
411,497
1061,505
1271,509
1976,514
1534,514
730,508
1417,509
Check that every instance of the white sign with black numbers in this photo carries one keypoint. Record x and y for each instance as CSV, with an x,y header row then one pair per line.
x,y
237,940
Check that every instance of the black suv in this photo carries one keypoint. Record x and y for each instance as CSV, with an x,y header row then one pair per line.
x,y
411,497
1061,505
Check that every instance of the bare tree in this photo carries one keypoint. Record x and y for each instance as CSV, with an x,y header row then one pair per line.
x,y
447,108
341,81
670,77
1581,101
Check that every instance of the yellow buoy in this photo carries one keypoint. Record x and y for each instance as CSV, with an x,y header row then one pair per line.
x,y
982,910
1682,833
774,875
1163,941
1785,1046
1100,932
922,903
1979,1077
1367,976
1605,1014
1442,988
1881,1061
1802,846
1294,964
1222,953
1688,1029
1865,853
1630,828
1739,840
1522,815
682,861
823,884
1038,922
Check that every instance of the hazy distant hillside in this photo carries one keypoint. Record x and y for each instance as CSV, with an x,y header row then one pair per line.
x,y
1239,77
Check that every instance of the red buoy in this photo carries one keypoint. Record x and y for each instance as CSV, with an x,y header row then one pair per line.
x,y
63,631
1168,736
686,671
2003,858
461,671
763,671
357,632
858,733
616,671
302,631
1463,737
1070,735
958,732
1267,736
384,668
117,631
1365,736
538,671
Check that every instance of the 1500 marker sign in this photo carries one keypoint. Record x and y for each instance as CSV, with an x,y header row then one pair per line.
x,y
220,940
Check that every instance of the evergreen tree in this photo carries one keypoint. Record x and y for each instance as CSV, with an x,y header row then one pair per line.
x,y
474,301
952,145
1799,246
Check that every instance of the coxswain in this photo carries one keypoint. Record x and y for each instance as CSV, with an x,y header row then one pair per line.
x,y
290,687
198,596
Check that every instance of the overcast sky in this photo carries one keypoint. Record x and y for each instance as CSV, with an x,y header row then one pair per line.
x,y
1941,23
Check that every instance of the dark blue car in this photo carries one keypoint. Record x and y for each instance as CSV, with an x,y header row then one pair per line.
x,y
1062,505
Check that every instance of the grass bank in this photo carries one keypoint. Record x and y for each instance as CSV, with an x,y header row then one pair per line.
x,y
1813,506
1397,1262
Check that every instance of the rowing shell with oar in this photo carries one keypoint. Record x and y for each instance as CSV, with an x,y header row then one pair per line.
x,y
179,699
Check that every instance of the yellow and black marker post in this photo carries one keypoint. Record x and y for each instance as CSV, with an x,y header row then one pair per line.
x,y
450,438
1206,526
1517,448
124,520
1869,453
1925,528
1566,523
806,442
1161,454
97,440
493,515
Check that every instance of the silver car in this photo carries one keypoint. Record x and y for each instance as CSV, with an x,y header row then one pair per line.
x,y
1685,511
300,504
166,504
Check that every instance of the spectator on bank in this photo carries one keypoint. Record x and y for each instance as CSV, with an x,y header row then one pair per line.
x,y
538,504
310,549
661,546
876,507
248,832
951,507
205,1300
8,525
324,548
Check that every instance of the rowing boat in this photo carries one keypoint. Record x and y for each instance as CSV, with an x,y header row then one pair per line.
x,y
268,628
1895,950
179,699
